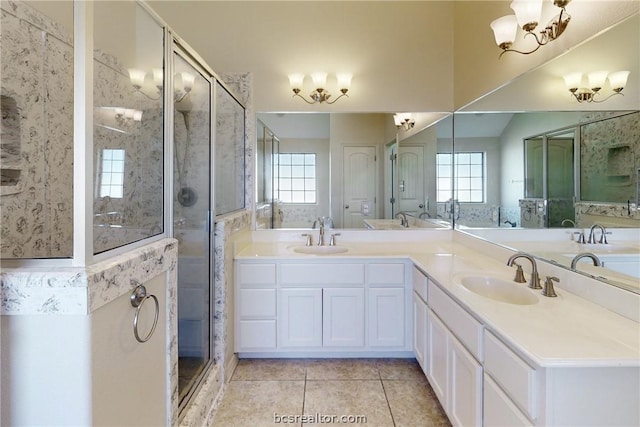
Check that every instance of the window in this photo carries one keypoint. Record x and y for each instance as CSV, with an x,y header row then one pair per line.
x,y
112,173
468,180
297,178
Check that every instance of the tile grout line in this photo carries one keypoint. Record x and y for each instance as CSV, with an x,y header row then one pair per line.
x,y
304,393
386,398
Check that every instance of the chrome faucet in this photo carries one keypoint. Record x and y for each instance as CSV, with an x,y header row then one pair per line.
x,y
569,221
403,219
423,214
534,281
594,258
603,237
321,236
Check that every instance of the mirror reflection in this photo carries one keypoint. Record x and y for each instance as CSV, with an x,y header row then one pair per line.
x,y
352,171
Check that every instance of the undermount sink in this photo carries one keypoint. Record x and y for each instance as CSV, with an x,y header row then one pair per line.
x,y
320,250
499,289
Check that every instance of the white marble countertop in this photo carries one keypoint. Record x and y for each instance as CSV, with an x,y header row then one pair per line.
x,y
567,331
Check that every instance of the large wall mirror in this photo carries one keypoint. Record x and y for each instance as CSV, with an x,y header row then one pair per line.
x,y
556,165
352,170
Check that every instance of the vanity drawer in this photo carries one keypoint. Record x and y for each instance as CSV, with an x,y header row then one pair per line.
x,y
385,274
499,410
516,377
256,274
258,302
420,283
467,329
322,274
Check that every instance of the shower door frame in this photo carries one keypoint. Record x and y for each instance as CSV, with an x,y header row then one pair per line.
x,y
181,49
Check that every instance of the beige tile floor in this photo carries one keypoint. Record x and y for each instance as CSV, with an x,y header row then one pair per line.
x,y
276,392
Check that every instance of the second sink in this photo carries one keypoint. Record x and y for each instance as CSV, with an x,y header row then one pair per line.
x,y
499,289
320,250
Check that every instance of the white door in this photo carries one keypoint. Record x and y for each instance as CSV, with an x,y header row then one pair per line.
x,y
420,331
411,195
386,317
437,357
300,318
343,317
465,384
359,177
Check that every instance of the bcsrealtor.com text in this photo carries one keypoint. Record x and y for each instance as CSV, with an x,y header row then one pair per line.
x,y
318,418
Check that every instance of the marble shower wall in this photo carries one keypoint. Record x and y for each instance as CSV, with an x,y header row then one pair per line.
x,y
37,76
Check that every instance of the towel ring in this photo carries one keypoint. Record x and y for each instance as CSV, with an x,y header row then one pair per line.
x,y
138,297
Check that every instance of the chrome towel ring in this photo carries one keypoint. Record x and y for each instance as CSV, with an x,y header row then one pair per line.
x,y
138,297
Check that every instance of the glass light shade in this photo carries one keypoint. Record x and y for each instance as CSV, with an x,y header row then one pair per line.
x,y
406,117
137,115
527,11
397,120
618,80
128,113
504,29
344,80
573,80
120,111
187,80
597,79
319,79
295,80
158,76
137,77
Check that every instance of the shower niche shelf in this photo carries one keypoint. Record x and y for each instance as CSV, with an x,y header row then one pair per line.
x,y
10,148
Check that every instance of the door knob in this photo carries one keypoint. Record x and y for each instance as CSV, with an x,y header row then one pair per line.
x,y
346,206
421,206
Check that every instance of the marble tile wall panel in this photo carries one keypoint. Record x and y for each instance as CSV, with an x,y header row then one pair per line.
x,y
35,72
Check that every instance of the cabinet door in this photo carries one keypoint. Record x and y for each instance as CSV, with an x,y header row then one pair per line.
x,y
465,386
420,331
437,359
386,317
300,318
343,317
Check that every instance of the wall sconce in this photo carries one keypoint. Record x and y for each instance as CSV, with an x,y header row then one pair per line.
x,y
320,94
597,79
527,16
128,113
184,83
404,121
138,77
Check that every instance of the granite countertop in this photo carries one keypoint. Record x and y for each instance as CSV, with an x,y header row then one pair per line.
x,y
567,331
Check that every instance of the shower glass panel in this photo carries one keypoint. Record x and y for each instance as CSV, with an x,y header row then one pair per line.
x,y
36,153
533,168
128,134
230,195
191,212
560,178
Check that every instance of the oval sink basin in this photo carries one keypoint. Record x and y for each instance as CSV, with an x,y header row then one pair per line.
x,y
320,250
499,289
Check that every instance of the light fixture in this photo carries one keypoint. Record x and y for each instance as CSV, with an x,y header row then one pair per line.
x,y
137,78
320,94
404,121
527,17
596,79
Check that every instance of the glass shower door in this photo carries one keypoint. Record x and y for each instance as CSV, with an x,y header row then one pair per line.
x,y
560,178
192,204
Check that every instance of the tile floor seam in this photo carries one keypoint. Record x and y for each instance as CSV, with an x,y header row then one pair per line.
x,y
393,420
304,393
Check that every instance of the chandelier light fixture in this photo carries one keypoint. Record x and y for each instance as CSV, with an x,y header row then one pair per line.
x,y
527,16
138,77
320,94
404,121
596,81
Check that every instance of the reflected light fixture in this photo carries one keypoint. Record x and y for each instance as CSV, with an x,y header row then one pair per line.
x,y
404,121
320,94
184,83
527,16
137,78
596,79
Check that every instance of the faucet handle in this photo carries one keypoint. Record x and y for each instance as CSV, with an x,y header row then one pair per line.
x,y
548,290
519,274
603,238
580,238
309,239
332,242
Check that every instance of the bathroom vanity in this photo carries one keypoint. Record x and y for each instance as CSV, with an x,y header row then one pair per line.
x,y
521,359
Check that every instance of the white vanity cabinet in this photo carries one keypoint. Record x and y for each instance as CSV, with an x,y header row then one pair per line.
x,y
322,305
420,331
454,349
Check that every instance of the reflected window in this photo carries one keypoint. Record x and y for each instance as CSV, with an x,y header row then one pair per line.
x,y
112,173
297,180
468,180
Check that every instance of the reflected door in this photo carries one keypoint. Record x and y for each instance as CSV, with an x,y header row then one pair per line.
x,y
560,179
191,213
411,195
359,185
